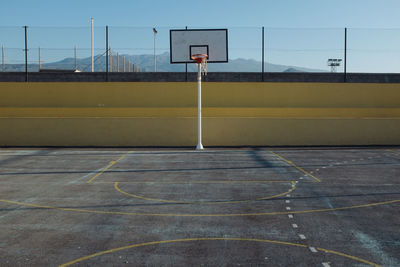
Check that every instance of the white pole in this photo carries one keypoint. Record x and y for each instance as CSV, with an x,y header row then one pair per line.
x,y
92,50
199,145
2,58
124,63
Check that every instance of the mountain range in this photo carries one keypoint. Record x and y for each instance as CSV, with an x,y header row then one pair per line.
x,y
145,63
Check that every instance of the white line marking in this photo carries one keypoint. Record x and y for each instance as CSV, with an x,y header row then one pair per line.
x,y
313,249
76,181
302,236
301,178
326,264
295,225
288,195
287,208
324,167
287,201
290,216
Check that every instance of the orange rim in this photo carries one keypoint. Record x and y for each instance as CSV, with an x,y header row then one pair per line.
x,y
199,57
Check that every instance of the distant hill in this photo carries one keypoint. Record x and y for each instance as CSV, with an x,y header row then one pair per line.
x,y
145,63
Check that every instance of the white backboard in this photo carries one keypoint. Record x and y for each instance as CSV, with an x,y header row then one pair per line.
x,y
185,43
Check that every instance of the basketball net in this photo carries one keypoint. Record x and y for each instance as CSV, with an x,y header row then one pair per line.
x,y
201,59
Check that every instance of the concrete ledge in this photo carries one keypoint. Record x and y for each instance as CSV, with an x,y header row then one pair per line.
x,y
191,77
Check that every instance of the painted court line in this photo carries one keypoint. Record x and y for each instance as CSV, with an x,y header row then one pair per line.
x,y
154,243
107,167
116,187
297,167
295,225
194,214
326,264
290,216
302,236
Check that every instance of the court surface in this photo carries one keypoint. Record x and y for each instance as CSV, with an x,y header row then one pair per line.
x,y
217,207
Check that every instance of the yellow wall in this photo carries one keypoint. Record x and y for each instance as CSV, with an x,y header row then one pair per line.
x,y
164,114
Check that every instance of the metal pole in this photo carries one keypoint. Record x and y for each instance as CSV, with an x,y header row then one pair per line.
x,y
155,59
75,55
117,62
199,145
39,60
26,53
124,63
111,61
262,54
186,67
345,54
107,51
2,58
92,47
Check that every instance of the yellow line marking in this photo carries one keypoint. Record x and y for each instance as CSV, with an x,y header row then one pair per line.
x,y
199,215
212,239
297,167
202,202
106,168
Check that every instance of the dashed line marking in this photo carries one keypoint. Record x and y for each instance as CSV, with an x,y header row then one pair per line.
x,y
297,167
326,264
290,216
288,208
288,195
295,225
287,201
303,237
198,214
313,250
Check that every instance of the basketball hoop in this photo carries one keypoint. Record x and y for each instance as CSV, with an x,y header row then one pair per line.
x,y
201,59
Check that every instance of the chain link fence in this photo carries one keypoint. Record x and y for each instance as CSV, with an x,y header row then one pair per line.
x,y
141,49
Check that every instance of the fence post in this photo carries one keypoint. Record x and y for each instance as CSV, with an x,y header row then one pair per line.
x,y
107,50
40,62
111,60
2,58
75,60
186,67
345,54
26,53
262,60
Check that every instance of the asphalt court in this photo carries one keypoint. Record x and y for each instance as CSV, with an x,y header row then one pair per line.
x,y
217,207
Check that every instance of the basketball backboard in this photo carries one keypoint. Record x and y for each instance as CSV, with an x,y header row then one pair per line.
x,y
185,43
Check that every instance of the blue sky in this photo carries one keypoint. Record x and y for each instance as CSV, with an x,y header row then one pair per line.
x,y
270,13
296,46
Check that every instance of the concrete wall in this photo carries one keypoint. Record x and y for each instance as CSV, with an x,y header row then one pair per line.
x,y
164,114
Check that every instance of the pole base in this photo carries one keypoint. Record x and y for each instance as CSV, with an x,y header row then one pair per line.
x,y
199,147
